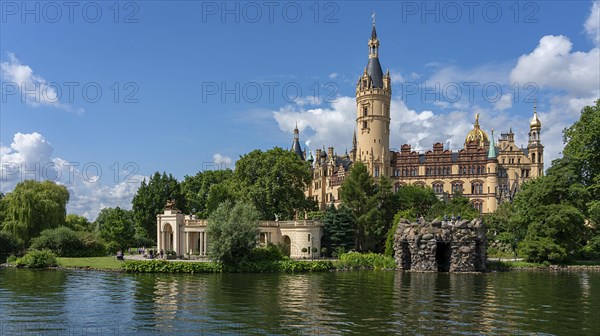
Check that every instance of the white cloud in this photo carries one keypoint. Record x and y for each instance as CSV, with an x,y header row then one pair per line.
x,y
30,157
553,65
330,126
333,125
396,76
34,89
333,75
504,103
592,24
222,160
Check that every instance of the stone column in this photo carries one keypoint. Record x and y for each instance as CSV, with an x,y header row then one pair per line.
x,y
187,243
205,244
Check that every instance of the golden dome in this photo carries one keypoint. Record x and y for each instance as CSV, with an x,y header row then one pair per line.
x,y
477,134
535,122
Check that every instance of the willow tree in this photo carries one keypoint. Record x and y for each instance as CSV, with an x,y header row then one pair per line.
x,y
33,207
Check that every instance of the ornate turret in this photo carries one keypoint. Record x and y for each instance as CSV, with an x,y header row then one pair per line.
x,y
373,97
296,148
477,134
534,147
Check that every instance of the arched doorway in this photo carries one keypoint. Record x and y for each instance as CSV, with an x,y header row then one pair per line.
x,y
287,245
168,237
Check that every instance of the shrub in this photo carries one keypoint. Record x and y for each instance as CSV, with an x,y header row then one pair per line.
x,y
163,266
270,252
38,259
366,260
8,244
540,249
93,245
62,241
66,242
592,249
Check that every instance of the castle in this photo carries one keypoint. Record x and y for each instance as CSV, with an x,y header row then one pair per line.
x,y
485,171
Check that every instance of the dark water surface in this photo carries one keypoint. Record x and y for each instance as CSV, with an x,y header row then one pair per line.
x,y
69,302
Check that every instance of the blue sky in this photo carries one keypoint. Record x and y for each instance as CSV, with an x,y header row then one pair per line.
x,y
185,84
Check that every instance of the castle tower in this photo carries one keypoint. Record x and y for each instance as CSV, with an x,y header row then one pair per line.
x,y
492,176
535,147
296,148
373,96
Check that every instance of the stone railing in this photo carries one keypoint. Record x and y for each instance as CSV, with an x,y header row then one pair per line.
x,y
291,223
195,222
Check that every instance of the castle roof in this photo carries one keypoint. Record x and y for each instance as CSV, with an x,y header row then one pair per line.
x,y
477,134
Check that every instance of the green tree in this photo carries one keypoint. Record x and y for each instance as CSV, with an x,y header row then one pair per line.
x,y
385,205
549,209
218,194
416,198
8,245
457,205
196,189
357,194
33,207
65,242
116,227
273,181
78,223
150,200
232,232
338,230
583,145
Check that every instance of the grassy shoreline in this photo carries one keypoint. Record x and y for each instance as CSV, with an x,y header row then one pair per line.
x,y
348,262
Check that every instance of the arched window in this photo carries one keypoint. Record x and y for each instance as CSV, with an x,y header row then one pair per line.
x,y
478,204
533,157
457,187
477,188
438,187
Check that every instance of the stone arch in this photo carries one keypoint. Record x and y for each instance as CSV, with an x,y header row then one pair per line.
x,y
287,245
168,236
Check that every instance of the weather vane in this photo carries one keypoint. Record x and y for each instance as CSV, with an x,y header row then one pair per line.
x,y
373,16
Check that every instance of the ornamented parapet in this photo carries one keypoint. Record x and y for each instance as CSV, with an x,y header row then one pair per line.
x,y
441,246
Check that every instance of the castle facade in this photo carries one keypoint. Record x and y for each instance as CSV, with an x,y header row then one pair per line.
x,y
485,170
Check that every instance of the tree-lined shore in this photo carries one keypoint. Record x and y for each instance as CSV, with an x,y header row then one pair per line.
x,y
554,219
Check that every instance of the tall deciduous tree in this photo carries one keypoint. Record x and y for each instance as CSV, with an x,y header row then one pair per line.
x,y
583,144
150,200
273,181
116,227
232,232
78,223
196,189
33,207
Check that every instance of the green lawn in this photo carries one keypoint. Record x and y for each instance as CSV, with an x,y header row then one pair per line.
x,y
93,262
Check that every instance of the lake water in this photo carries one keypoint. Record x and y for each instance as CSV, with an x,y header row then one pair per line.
x,y
70,302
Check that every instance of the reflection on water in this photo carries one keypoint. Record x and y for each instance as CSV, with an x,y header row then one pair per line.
x,y
363,302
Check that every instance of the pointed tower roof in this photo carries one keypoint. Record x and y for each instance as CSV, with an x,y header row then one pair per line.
x,y
492,150
374,67
296,148
535,122
310,156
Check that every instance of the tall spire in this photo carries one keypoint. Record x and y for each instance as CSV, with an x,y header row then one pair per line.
x,y
373,31
492,150
535,122
374,67
296,148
